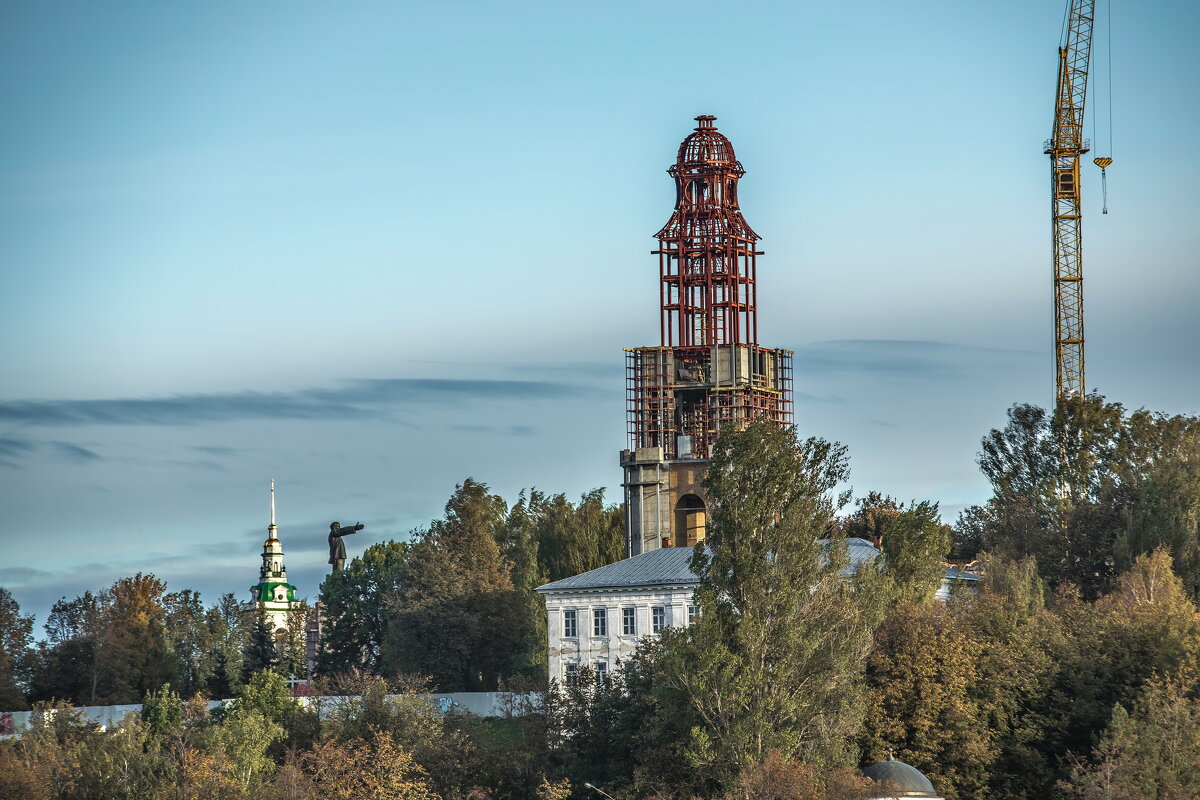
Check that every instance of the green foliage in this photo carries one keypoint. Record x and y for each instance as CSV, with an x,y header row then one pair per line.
x,y
191,640
356,602
1151,753
292,646
1148,626
775,660
109,648
230,633
914,543
1020,648
572,538
244,737
1089,488
459,619
923,673
16,654
162,715
260,652
458,603
627,734
71,759
267,693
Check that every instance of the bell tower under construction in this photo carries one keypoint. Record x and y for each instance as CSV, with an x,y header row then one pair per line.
x,y
708,374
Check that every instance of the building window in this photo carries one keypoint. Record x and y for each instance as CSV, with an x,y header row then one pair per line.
x,y
601,671
629,621
571,674
693,613
658,619
600,622
570,624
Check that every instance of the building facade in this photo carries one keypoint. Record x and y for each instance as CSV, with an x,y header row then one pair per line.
x,y
597,619
708,372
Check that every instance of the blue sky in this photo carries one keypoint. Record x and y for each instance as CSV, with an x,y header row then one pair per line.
x,y
373,248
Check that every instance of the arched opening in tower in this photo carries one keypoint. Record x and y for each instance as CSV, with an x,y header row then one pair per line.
x,y
690,521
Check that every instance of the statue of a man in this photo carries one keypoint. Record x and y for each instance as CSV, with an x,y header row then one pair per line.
x,y
337,548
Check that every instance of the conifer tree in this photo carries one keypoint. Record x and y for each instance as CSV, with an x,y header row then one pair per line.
x,y
230,632
260,652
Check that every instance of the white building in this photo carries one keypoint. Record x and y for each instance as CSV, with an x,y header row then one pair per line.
x,y
599,617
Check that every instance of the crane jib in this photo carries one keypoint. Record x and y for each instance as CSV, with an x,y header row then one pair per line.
x,y
1064,147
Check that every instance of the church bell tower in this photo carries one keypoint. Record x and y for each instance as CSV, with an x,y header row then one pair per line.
x,y
272,597
708,374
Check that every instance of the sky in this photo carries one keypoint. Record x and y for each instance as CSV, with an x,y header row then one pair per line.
x,y
369,249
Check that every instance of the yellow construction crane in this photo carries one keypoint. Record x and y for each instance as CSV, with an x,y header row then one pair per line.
x,y
1064,147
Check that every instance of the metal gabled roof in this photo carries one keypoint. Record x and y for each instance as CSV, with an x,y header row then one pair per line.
x,y
665,566
670,566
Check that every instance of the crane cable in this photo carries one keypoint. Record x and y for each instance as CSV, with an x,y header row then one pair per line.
x,y
1104,162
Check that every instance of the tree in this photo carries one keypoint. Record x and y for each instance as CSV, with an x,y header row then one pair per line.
x,y
572,539
922,672
459,619
1151,753
914,543
376,767
356,602
1020,648
230,633
777,778
67,668
1148,626
260,653
162,715
134,651
293,645
520,546
243,738
775,660
1089,488
16,654
267,693
109,648
191,640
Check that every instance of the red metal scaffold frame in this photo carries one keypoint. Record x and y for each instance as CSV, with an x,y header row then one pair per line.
x,y
709,372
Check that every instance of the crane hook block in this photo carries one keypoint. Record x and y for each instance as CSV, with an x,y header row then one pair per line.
x,y
1103,162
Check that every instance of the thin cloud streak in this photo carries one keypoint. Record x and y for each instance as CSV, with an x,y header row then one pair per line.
x,y
897,357
14,446
76,453
365,399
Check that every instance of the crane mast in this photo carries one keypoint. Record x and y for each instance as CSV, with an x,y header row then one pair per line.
x,y
1065,147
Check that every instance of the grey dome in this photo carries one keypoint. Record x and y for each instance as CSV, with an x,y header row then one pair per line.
x,y
903,779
